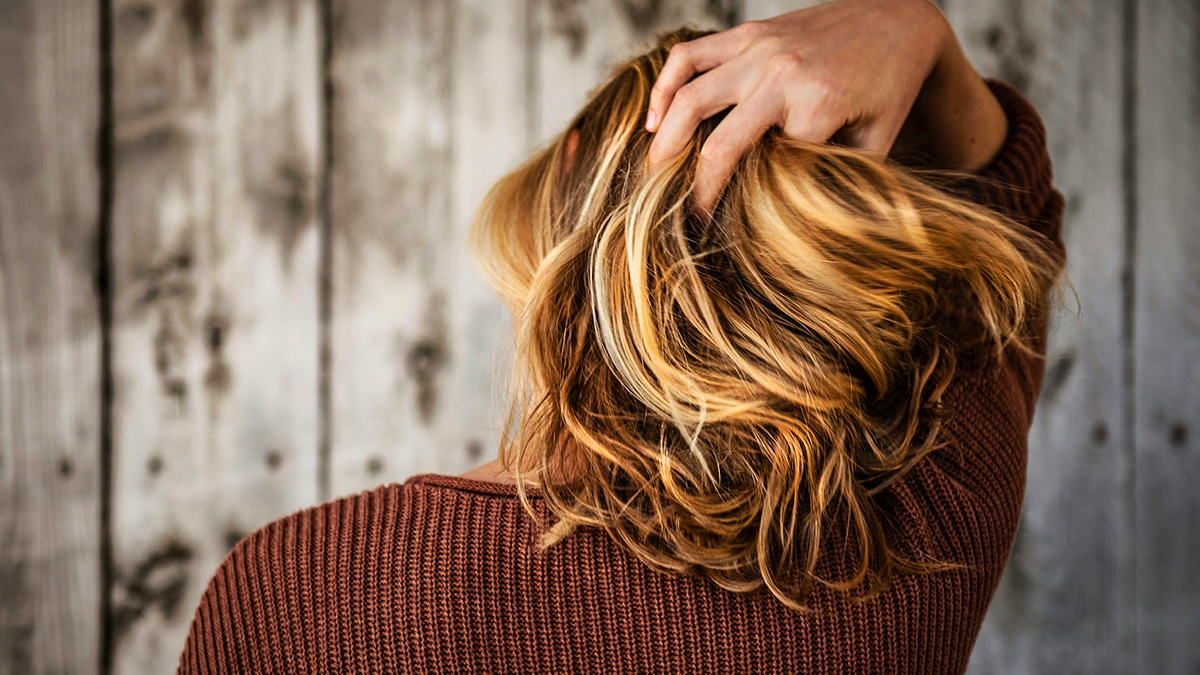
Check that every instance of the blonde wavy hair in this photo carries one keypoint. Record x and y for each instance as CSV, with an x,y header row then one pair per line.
x,y
724,396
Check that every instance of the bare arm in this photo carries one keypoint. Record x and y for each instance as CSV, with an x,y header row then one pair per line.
x,y
956,122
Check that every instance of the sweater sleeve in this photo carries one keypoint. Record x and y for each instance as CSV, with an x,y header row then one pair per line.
x,y
1018,182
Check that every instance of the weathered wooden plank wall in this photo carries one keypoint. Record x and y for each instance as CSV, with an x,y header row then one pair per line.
x,y
390,197
50,338
1164,329
281,225
1071,571
217,146
492,135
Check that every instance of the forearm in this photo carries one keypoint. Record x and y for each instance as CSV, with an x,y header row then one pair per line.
x,y
956,122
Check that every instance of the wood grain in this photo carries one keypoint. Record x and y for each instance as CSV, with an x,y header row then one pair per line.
x,y
1166,334
490,114
392,269
217,155
1064,602
755,10
50,340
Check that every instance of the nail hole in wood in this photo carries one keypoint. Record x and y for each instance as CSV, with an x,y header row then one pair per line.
x,y
1074,202
474,448
65,467
1178,434
374,465
154,465
1099,433
993,35
274,459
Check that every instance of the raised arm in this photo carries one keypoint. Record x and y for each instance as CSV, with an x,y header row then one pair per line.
x,y
887,76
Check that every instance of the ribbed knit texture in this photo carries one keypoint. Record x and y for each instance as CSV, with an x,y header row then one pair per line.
x,y
442,575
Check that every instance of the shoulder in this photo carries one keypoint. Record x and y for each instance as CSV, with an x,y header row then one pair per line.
x,y
271,605
301,592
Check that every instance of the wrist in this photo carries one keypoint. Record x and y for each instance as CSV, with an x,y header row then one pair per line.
x,y
955,123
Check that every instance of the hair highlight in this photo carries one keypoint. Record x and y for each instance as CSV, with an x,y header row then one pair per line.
x,y
727,397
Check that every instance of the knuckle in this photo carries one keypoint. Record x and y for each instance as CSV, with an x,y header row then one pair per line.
x,y
753,28
679,52
688,97
719,151
786,65
772,44
825,92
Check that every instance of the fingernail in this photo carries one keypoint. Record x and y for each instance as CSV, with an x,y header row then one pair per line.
x,y
651,118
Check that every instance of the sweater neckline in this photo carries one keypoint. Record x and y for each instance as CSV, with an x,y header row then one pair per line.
x,y
470,485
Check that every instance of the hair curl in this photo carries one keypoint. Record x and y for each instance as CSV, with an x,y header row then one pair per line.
x,y
724,397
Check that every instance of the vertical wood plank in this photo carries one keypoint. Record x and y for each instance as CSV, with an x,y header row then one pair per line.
x,y
392,269
490,115
429,110
575,44
50,341
1064,603
1166,334
217,155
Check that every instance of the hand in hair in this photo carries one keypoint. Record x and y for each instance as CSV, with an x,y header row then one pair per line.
x,y
884,76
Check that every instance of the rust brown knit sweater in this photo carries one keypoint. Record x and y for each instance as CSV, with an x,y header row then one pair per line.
x,y
441,574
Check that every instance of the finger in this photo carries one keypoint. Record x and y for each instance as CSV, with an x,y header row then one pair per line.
x,y
741,128
688,58
876,137
698,100
815,119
